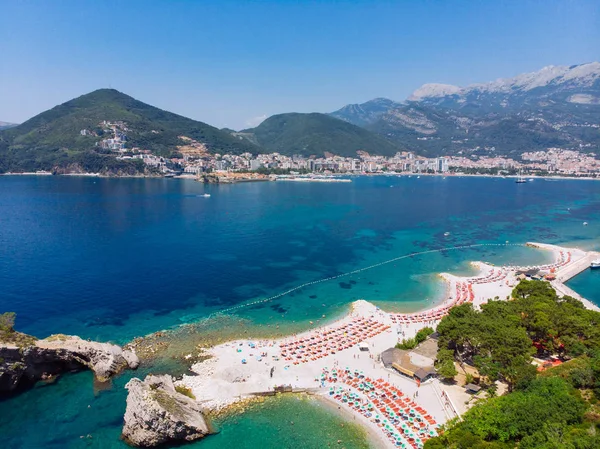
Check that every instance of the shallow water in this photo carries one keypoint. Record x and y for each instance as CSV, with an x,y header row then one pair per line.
x,y
587,284
112,259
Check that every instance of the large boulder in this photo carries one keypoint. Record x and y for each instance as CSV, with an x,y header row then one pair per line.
x,y
157,413
22,366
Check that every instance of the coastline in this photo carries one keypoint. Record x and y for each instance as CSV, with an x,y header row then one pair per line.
x,y
245,368
183,339
371,431
333,175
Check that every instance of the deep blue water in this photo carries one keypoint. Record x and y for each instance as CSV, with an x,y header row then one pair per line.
x,y
112,259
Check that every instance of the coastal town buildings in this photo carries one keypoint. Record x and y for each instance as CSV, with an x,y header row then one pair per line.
x,y
194,158
550,162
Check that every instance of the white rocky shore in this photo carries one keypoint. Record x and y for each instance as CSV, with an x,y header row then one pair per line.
x,y
157,413
21,367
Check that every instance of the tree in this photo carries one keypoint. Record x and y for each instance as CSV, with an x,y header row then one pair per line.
x,y
447,370
7,321
445,364
542,410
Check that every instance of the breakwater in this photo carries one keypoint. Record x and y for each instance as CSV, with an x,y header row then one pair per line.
x,y
570,272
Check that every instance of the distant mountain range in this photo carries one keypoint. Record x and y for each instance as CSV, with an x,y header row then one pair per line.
x,y
6,125
556,106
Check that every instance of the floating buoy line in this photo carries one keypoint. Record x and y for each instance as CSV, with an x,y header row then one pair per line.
x,y
349,273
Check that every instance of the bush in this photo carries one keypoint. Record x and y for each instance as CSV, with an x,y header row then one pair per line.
x,y
423,334
420,337
185,391
409,343
7,322
446,369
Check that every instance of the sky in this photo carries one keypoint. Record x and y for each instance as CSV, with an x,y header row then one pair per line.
x,y
234,63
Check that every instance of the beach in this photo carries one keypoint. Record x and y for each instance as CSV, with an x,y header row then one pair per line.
x,y
180,275
351,346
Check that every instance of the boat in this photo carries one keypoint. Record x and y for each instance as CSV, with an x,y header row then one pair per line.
x,y
205,195
585,223
520,179
446,234
595,264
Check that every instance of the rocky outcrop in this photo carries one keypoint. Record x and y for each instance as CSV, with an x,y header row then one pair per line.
x,y
22,366
157,413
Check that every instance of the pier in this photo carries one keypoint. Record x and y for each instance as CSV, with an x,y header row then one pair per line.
x,y
570,272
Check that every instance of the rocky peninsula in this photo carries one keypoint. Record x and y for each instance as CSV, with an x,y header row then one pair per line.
x,y
159,412
25,360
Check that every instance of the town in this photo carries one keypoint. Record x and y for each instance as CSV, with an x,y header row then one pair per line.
x,y
193,159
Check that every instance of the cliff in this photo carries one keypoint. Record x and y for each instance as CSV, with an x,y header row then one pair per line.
x,y
23,364
157,413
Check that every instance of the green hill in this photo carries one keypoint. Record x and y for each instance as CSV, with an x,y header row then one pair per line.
x,y
53,138
316,134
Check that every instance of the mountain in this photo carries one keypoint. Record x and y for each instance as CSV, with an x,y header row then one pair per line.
x,y
553,107
316,134
69,134
578,84
6,125
365,113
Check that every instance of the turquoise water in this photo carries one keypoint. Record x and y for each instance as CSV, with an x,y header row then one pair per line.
x,y
69,414
112,259
587,284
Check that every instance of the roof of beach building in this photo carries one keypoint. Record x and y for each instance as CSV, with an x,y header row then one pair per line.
x,y
424,373
428,348
390,356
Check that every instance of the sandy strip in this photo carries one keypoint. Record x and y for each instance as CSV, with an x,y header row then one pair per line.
x,y
225,378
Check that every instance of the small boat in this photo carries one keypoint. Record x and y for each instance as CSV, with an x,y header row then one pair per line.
x,y
520,179
585,223
206,195
446,234
595,264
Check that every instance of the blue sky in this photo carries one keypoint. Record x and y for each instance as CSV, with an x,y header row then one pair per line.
x,y
229,63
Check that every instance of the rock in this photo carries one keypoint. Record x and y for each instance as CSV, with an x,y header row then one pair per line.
x,y
23,366
156,414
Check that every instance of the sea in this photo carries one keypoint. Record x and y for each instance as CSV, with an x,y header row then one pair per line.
x,y
115,259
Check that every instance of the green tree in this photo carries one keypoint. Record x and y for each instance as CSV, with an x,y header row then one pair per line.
x,y
7,321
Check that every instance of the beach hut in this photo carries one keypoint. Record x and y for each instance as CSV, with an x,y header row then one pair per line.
x,y
424,373
472,388
391,356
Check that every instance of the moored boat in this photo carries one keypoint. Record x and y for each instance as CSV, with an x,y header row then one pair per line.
x,y
595,264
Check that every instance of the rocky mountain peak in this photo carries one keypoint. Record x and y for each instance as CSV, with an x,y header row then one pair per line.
x,y
583,75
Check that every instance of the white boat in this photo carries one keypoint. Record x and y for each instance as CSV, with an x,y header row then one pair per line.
x,y
205,195
446,234
585,223
595,263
